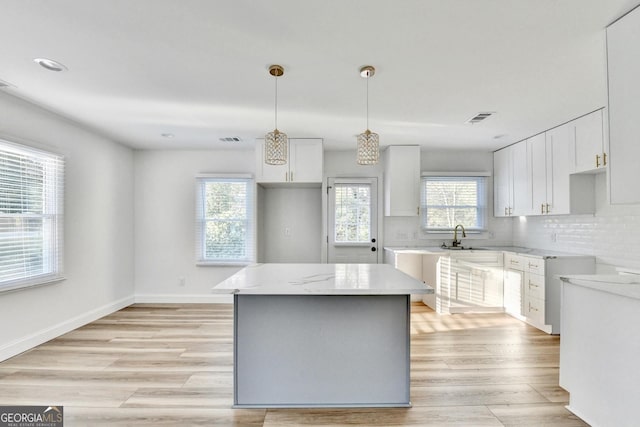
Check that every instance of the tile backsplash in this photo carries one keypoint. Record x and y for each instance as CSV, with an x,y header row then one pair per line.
x,y
612,235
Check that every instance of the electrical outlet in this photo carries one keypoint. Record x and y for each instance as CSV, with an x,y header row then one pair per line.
x,y
492,235
287,231
181,281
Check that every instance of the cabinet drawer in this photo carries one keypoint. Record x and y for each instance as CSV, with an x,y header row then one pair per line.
x,y
535,265
514,262
534,310
534,286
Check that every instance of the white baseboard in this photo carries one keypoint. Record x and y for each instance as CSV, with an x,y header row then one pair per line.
x,y
23,344
183,299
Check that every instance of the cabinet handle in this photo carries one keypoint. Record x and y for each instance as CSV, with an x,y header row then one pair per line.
x,y
547,206
505,211
604,159
513,261
418,210
510,211
291,176
542,208
531,284
286,176
597,161
532,308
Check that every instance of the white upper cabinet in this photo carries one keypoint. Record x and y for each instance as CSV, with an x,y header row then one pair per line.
x,y
304,165
538,152
521,167
402,180
623,65
502,182
559,148
536,177
590,152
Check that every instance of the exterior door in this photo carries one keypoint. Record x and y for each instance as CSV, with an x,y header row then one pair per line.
x,y
352,220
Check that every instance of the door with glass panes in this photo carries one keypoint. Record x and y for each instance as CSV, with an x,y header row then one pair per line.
x,y
352,220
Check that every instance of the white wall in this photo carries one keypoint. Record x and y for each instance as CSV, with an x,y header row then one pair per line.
x,y
290,227
405,231
612,235
98,230
165,223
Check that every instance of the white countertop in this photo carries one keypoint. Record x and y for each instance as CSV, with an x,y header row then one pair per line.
x,y
617,284
321,279
513,249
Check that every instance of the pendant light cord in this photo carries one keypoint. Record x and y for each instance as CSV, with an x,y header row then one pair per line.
x,y
276,102
368,102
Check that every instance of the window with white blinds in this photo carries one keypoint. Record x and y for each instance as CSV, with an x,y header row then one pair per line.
x,y
352,213
31,221
225,225
447,201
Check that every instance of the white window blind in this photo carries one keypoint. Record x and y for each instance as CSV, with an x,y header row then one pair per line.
x,y
225,229
447,201
352,213
31,216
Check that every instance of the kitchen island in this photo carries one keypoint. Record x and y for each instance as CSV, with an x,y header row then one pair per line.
x,y
599,347
321,335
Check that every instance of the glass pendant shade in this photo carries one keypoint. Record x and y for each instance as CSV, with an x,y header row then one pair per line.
x,y
275,148
368,148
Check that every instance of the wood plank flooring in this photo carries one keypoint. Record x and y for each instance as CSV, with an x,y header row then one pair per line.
x,y
172,365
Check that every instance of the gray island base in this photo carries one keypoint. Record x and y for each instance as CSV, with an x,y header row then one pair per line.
x,y
321,335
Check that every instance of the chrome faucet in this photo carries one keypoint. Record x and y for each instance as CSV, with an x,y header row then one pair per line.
x,y
457,242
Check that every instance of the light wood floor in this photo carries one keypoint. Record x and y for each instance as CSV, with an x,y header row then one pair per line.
x,y
171,365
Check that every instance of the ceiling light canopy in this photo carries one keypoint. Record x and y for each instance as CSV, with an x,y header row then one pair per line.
x,y
368,142
276,143
50,64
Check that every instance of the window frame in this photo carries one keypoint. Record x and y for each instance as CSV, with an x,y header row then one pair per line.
x,y
250,220
482,206
52,215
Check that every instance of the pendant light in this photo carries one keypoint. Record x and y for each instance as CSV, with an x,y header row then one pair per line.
x,y
275,143
368,142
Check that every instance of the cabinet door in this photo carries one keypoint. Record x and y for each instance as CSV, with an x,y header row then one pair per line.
x,y
559,167
537,148
269,173
402,180
589,142
623,65
502,182
522,198
306,160
513,291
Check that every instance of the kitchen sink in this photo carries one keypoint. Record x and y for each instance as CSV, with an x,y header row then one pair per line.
x,y
461,248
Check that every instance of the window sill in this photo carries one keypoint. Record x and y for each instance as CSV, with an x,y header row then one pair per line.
x,y
29,285
223,264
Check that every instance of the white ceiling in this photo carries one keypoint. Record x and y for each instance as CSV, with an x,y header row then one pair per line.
x,y
198,68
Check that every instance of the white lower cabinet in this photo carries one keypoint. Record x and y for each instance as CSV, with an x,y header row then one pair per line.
x,y
532,287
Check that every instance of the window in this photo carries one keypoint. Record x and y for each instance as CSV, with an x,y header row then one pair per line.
x,y
352,213
225,220
31,201
450,200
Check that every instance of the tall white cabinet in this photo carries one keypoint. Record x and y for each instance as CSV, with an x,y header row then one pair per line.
x,y
402,180
623,65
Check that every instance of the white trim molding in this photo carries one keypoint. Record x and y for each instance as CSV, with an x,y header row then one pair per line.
x,y
183,299
30,341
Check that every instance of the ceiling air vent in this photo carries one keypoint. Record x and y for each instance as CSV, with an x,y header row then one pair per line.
x,y
231,139
480,117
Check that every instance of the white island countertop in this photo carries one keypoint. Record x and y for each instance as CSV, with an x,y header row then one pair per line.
x,y
321,279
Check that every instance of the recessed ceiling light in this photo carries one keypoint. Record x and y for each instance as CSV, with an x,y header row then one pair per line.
x,y
50,64
167,135
502,135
